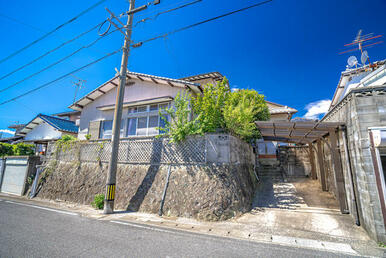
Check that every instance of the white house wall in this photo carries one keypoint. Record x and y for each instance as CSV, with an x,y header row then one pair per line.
x,y
138,91
43,131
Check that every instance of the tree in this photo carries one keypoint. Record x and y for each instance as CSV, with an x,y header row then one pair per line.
x,y
180,124
208,107
242,109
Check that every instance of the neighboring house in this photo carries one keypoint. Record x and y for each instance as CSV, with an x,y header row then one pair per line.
x,y
144,96
267,150
280,112
360,103
15,138
69,115
44,128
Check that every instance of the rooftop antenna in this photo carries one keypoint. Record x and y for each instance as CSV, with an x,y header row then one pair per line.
x,y
78,85
360,40
351,61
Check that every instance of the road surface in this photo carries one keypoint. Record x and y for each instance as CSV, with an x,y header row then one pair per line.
x,y
34,231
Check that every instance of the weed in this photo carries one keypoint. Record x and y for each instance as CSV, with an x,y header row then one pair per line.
x,y
98,202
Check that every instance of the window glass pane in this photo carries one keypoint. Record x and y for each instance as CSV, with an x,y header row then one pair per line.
x,y
142,126
153,121
106,129
122,127
132,110
162,123
142,109
154,107
153,124
163,106
131,126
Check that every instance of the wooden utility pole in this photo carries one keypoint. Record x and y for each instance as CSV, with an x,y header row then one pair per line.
x,y
112,169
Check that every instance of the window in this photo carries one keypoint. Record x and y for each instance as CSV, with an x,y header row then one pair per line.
x,y
153,124
142,126
162,123
163,106
131,126
154,107
107,129
132,110
142,109
144,120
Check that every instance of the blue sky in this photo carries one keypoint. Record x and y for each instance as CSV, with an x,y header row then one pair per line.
x,y
286,50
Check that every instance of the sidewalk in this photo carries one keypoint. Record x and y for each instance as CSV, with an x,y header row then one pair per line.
x,y
270,226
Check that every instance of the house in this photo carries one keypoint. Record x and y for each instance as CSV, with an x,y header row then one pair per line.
x,y
267,150
144,96
69,115
44,128
359,102
346,150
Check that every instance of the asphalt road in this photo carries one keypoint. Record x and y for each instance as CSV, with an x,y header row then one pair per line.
x,y
27,231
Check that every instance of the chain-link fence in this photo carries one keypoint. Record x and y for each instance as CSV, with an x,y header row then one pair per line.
x,y
149,150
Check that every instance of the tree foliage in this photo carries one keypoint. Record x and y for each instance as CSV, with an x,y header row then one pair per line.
x,y
242,109
20,149
209,107
180,124
216,109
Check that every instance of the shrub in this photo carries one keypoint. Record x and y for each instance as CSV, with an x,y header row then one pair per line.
x,y
6,149
209,106
98,202
180,124
88,137
22,149
242,109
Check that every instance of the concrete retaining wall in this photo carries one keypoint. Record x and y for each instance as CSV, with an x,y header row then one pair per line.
x,y
221,188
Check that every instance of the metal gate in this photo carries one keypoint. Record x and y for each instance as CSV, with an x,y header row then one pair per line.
x,y
14,176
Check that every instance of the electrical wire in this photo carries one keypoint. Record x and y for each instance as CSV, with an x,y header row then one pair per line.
x,y
50,51
20,22
51,32
140,43
62,77
167,11
57,62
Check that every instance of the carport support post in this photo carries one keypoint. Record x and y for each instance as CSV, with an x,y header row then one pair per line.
x,y
321,166
339,179
312,161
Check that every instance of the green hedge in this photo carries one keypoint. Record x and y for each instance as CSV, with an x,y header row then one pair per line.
x,y
20,149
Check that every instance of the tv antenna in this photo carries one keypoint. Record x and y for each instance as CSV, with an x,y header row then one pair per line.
x,y
78,85
352,61
360,40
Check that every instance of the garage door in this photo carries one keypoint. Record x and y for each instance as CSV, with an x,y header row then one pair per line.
x,y
14,175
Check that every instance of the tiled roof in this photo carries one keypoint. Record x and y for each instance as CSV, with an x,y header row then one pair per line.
x,y
112,83
56,122
60,123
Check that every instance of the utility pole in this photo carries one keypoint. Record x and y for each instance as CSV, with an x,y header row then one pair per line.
x,y
112,168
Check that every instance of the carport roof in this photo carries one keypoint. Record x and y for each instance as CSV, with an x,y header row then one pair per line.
x,y
295,132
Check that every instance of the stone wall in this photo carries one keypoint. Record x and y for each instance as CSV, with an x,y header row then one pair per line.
x,y
220,188
361,110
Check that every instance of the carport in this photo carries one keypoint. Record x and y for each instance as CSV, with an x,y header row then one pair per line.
x,y
313,135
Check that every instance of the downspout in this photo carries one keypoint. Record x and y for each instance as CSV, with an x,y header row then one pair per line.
x,y
350,174
164,193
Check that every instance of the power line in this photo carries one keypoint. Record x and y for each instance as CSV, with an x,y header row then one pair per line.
x,y
57,62
167,11
140,43
50,51
20,22
51,32
61,77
